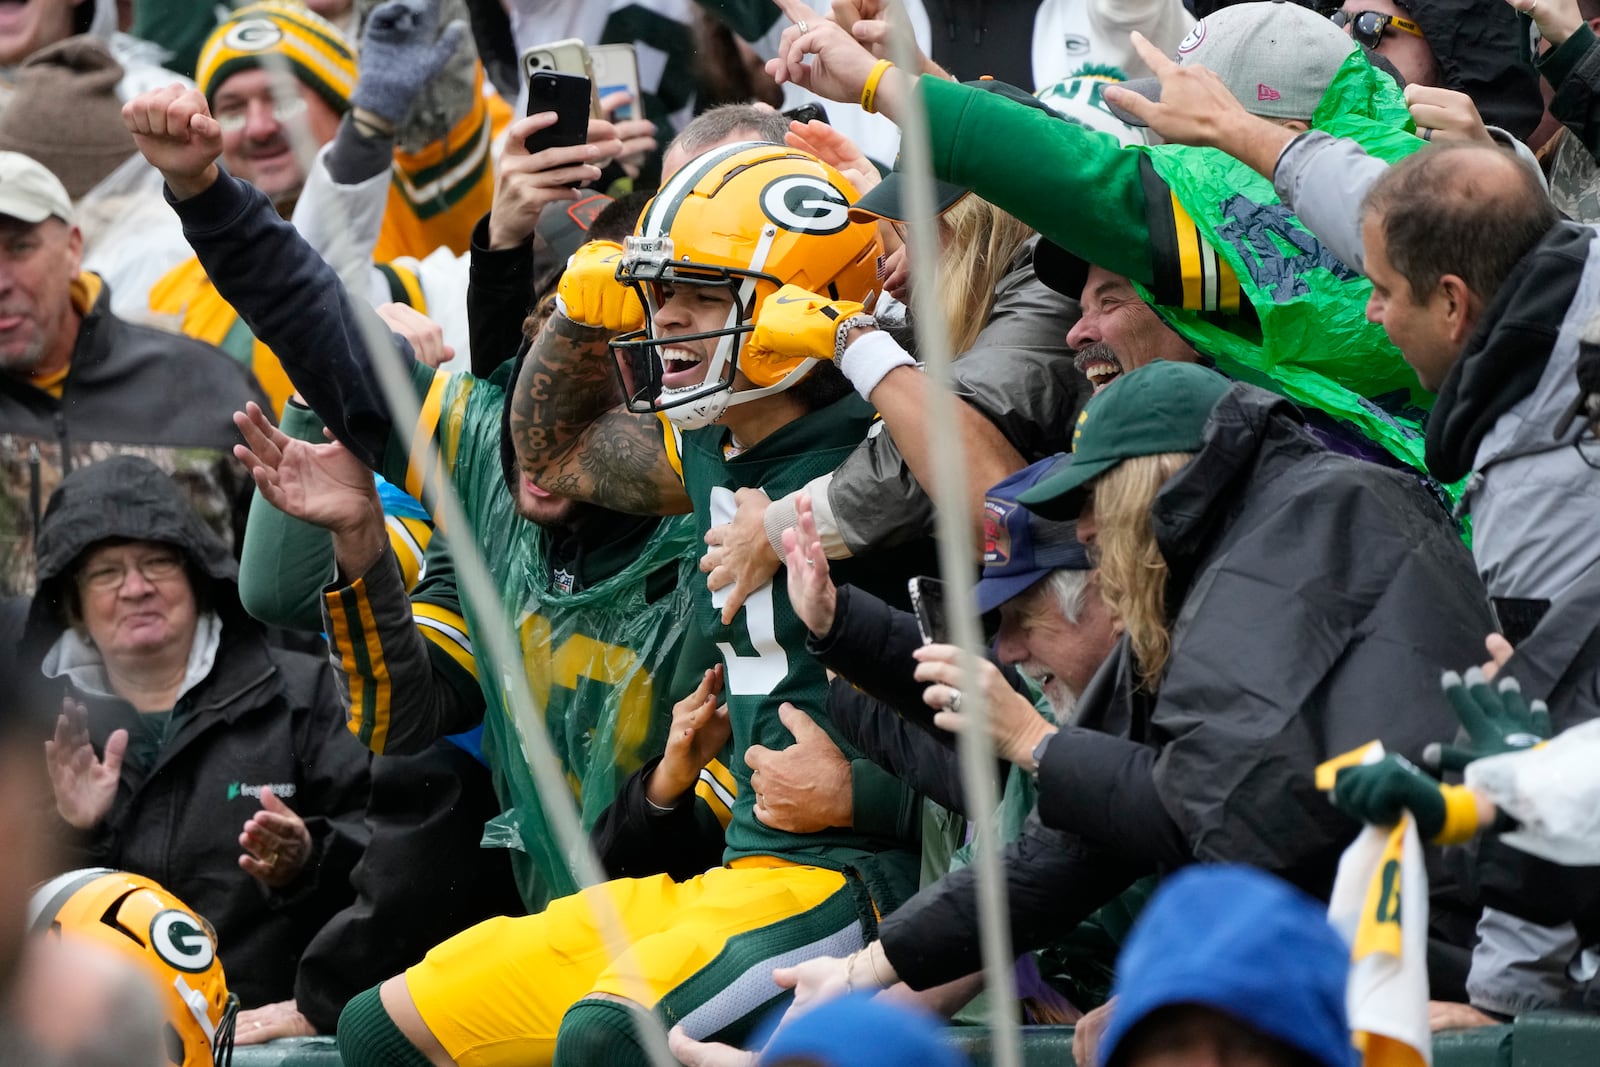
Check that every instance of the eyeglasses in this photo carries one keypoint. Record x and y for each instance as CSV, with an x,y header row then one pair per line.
x,y
104,577
284,109
1367,27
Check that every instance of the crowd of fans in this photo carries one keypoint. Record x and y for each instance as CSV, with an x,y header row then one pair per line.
x,y
377,488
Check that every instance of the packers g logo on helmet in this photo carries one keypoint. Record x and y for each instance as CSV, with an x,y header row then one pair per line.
x,y
138,919
806,205
748,219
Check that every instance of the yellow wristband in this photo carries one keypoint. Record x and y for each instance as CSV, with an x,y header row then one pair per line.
x,y
1460,815
869,91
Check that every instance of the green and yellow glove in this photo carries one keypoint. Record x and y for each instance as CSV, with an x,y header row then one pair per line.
x,y
1378,793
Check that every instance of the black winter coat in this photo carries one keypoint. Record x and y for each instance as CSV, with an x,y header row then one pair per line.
x,y
262,716
1316,599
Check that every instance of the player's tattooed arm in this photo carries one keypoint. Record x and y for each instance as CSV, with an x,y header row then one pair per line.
x,y
572,436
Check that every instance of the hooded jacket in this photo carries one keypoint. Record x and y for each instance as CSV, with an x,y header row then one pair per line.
x,y
1533,496
129,389
1479,53
260,717
1314,599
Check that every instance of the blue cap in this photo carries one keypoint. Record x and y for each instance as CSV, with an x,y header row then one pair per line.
x,y
1019,546
1246,944
862,1031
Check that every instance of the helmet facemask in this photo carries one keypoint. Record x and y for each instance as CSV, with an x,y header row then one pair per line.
x,y
647,265
745,218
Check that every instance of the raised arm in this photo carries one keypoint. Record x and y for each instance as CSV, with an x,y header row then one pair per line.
x,y
290,298
571,435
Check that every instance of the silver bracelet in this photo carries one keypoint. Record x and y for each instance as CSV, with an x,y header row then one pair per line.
x,y
849,965
842,333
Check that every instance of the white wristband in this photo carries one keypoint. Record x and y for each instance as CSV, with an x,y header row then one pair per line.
x,y
870,357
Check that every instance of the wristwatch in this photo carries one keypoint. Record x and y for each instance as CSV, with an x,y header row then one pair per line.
x,y
1038,753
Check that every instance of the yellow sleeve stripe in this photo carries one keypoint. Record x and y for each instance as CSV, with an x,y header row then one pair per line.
x,y
1209,283
377,671
404,272
339,642
716,788
448,630
361,659
673,440
427,424
409,539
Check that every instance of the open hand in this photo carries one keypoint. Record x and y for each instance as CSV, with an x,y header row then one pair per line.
x,y
1497,718
699,730
738,553
321,484
811,591
836,150
84,784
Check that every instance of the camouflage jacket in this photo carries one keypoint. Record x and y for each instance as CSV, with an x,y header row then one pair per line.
x,y
130,389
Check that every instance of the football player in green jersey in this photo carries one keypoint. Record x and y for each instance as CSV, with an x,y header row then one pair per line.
x,y
754,279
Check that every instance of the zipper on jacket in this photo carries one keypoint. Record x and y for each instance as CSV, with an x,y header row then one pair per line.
x,y
35,489
61,439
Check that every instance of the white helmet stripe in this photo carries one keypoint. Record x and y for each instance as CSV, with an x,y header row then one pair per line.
x,y
47,899
664,208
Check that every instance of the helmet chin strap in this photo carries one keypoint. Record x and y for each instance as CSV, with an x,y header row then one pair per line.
x,y
702,412
698,414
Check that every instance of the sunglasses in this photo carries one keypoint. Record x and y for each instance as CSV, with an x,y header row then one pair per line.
x,y
1368,27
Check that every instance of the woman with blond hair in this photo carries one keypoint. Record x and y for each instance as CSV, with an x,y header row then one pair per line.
x,y
1281,604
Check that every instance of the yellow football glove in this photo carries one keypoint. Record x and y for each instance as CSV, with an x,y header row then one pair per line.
x,y
589,293
793,323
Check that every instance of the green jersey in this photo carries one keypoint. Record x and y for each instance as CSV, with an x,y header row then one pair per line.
x,y
597,661
763,649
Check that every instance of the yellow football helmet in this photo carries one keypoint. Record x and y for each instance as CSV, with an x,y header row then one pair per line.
x,y
135,917
749,218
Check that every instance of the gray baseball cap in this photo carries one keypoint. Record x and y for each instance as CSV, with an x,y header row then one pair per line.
x,y
28,191
1276,58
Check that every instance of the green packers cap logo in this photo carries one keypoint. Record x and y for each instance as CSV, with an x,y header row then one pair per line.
x,y
182,941
253,35
805,204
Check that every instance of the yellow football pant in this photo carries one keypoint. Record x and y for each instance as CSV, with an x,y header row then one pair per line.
x,y
699,952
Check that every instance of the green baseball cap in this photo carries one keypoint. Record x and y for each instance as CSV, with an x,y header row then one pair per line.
x,y
1161,407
